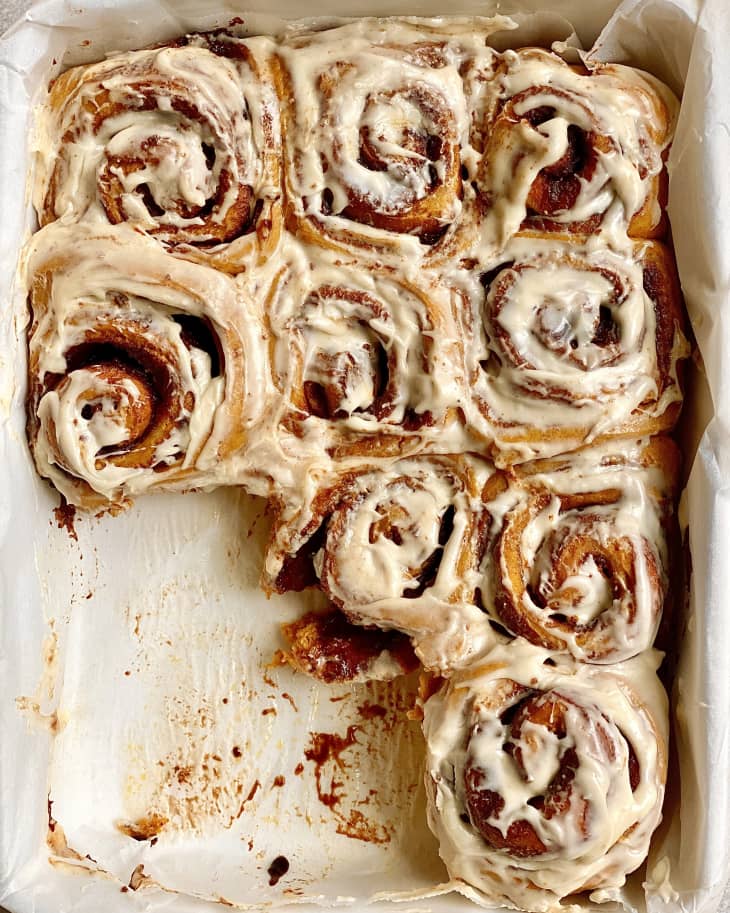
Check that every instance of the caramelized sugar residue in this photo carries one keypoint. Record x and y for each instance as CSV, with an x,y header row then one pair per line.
x,y
145,828
65,515
330,769
324,747
278,868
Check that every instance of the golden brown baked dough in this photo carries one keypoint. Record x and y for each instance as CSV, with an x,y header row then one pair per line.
x,y
570,151
160,139
394,546
567,344
366,363
577,556
376,125
144,370
545,777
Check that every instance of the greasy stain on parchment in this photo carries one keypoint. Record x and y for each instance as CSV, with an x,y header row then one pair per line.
x,y
357,783
363,775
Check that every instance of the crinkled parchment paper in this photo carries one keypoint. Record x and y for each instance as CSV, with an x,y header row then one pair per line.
x,y
135,697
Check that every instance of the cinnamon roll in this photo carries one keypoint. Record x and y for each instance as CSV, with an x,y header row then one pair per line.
x,y
545,777
574,151
577,555
145,371
394,546
366,364
567,345
181,142
377,130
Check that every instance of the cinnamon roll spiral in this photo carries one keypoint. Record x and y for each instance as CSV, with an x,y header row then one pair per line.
x,y
366,365
567,346
145,370
574,151
545,777
182,142
374,135
396,547
577,552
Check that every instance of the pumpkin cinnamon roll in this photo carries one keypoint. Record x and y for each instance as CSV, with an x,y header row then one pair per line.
x,y
181,142
393,546
545,777
567,345
145,371
577,555
375,119
366,364
574,151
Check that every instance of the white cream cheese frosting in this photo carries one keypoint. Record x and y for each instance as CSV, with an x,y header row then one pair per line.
x,y
610,746
577,556
146,370
179,141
